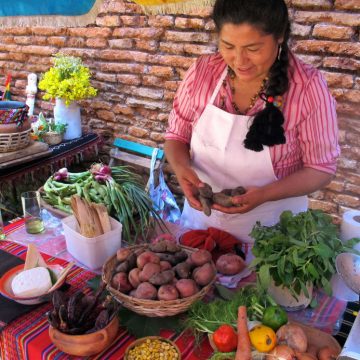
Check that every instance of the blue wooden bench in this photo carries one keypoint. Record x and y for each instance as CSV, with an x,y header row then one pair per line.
x,y
134,153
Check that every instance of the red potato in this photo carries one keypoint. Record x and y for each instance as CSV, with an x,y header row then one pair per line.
x,y
122,254
120,282
182,270
165,265
148,271
147,257
134,279
204,274
186,287
328,353
282,352
162,278
230,264
293,336
200,257
168,292
146,291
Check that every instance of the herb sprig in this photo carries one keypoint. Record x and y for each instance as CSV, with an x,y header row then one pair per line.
x,y
299,249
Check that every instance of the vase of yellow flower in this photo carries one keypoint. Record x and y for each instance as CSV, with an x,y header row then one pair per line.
x,y
70,116
67,82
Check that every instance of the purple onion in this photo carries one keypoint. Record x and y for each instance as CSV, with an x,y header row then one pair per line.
x,y
105,170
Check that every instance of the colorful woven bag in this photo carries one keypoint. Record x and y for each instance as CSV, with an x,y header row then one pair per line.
x,y
13,112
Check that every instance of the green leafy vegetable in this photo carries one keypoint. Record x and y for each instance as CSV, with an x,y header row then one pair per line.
x,y
207,317
122,193
297,250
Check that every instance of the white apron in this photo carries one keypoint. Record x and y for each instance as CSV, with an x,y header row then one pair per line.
x,y
220,159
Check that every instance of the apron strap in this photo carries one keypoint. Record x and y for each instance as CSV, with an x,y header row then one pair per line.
x,y
218,85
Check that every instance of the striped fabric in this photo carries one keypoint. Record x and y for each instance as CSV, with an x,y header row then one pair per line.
x,y
309,111
27,337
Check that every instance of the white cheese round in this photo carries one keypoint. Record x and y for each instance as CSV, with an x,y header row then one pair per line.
x,y
32,282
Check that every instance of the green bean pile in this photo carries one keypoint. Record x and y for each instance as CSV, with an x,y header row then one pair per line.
x,y
122,193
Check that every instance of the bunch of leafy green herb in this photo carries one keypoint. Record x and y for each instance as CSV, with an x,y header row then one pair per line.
x,y
298,250
207,317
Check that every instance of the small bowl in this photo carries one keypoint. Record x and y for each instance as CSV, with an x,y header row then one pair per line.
x,y
53,138
142,340
86,344
6,289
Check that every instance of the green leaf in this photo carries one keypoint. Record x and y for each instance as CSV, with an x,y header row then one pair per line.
x,y
311,269
53,276
323,250
94,283
141,326
314,303
264,276
224,292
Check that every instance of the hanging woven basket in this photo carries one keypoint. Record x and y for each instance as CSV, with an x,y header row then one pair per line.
x,y
172,6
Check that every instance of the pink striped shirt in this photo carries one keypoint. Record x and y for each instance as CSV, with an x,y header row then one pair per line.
x,y
309,110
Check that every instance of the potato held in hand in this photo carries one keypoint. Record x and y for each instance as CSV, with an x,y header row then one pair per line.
x,y
230,264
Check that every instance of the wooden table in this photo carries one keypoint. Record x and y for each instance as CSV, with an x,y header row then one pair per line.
x,y
57,156
27,336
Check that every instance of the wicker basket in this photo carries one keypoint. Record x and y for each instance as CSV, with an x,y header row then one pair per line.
x,y
151,308
53,138
14,141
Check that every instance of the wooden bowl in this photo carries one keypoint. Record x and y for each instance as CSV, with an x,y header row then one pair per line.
x,y
86,344
140,341
316,338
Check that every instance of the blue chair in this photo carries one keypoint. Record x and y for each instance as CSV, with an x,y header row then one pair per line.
x,y
135,154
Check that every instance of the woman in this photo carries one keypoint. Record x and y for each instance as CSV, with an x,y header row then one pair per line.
x,y
252,115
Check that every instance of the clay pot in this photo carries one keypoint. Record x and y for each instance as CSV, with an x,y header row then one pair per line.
x,y
87,344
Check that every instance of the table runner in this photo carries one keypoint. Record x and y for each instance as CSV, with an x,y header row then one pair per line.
x,y
61,155
27,338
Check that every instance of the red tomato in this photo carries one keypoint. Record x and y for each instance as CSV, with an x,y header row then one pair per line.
x,y
225,338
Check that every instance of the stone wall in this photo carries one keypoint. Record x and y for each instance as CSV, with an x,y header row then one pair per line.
x,y
138,61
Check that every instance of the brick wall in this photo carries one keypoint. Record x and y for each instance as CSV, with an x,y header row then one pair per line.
x,y
138,61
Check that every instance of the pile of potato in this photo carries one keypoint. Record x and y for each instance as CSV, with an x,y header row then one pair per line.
x,y
293,343
163,271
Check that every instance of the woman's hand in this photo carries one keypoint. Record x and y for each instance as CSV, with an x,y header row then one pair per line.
x,y
253,197
189,183
178,156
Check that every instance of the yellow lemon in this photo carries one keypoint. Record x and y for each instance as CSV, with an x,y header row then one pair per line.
x,y
262,338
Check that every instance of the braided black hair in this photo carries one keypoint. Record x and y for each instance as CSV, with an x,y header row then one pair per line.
x,y
271,17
